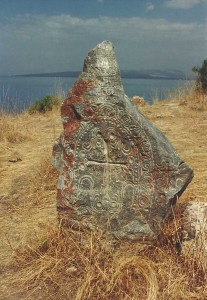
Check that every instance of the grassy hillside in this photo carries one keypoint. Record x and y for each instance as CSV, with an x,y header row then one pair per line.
x,y
39,260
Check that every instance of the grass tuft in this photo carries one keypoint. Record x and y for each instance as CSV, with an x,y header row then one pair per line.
x,y
189,96
45,104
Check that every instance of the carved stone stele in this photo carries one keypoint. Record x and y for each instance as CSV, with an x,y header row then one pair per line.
x,y
117,171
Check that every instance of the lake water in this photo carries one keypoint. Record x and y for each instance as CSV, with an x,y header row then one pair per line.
x,y
17,93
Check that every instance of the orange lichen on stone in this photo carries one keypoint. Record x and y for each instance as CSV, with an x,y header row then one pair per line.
x,y
71,128
71,124
89,112
77,92
69,191
76,95
68,158
60,199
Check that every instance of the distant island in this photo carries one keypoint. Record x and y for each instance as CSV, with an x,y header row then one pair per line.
x,y
145,74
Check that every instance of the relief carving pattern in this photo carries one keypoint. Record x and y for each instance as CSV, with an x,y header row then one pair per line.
x,y
117,170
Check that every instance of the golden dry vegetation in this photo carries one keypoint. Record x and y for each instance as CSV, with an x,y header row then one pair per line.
x,y
40,260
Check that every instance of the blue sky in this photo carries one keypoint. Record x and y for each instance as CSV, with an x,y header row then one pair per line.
x,y
55,35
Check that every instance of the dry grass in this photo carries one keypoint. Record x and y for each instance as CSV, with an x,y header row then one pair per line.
x,y
43,261
189,96
35,187
76,265
11,129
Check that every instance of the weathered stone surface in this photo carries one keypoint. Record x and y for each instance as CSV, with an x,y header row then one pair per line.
x,y
194,230
195,219
117,171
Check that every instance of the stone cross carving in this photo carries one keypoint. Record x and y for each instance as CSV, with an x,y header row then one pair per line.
x,y
107,166
118,172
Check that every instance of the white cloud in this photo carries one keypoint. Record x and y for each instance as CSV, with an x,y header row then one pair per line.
x,y
150,7
183,4
56,43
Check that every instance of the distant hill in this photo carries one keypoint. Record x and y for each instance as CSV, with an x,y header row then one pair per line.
x,y
143,74
53,74
153,74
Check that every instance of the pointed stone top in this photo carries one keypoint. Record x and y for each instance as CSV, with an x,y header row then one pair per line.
x,y
102,60
106,45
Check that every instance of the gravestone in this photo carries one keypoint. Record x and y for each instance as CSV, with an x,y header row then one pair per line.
x,y
117,171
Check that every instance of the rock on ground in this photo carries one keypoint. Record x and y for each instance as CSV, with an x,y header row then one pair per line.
x,y
117,171
194,230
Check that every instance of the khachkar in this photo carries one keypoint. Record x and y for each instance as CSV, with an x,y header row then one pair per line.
x,y
117,171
